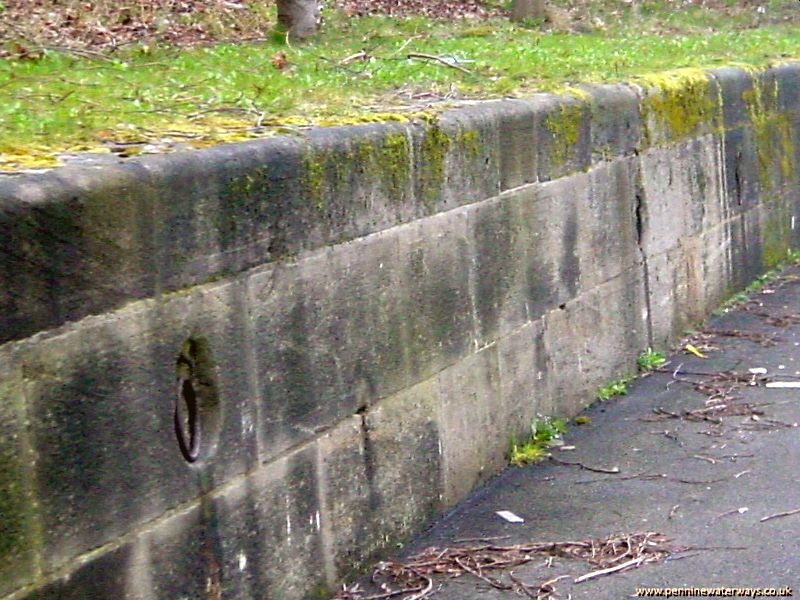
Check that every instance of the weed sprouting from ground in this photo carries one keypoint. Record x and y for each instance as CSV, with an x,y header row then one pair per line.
x,y
614,388
757,285
543,431
649,360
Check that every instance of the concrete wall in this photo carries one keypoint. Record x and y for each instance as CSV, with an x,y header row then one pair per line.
x,y
379,308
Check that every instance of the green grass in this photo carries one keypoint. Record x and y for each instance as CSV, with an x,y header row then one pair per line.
x,y
201,96
543,432
649,360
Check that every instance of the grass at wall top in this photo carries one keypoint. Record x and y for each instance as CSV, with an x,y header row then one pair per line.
x,y
149,98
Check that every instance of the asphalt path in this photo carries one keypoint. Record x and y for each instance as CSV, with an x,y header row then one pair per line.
x,y
704,482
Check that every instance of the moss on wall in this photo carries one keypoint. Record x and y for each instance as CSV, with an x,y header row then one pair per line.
x,y
393,161
772,133
19,536
314,166
431,161
677,105
565,127
776,236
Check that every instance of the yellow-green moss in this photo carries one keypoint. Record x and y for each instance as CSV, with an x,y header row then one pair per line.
x,y
776,237
433,151
19,531
565,125
336,121
771,131
248,184
314,180
394,165
678,103
578,93
786,143
468,141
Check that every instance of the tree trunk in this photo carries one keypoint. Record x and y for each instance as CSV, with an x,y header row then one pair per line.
x,y
528,9
299,17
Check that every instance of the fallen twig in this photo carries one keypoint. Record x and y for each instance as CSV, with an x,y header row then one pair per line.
x,y
768,424
708,459
634,562
415,575
734,511
763,339
697,482
482,539
357,56
548,590
611,471
779,320
787,513
439,59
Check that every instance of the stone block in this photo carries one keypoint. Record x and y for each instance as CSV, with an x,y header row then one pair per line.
x,y
678,105
471,424
676,291
343,328
437,304
682,193
330,338
525,371
103,576
381,476
269,533
736,86
518,144
787,77
256,538
471,167
349,498
604,251
563,135
505,241
19,539
228,208
404,452
74,242
358,180
526,259
102,397
595,339
615,127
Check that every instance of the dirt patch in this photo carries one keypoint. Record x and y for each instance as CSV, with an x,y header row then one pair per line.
x,y
29,26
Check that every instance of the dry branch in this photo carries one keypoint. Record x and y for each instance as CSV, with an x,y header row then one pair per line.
x,y
413,577
611,471
448,63
787,513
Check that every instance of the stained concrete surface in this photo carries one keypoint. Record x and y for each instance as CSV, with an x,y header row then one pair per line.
x,y
710,472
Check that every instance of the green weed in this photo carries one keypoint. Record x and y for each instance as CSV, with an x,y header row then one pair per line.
x,y
792,258
649,360
614,388
543,432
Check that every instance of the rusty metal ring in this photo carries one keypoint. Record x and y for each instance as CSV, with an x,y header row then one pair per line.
x,y
189,441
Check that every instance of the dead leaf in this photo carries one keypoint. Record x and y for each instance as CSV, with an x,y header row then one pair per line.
x,y
692,350
279,61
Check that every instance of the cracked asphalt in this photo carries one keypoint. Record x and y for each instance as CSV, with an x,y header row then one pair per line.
x,y
703,483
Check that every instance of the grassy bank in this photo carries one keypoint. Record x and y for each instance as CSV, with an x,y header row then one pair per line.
x,y
152,98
